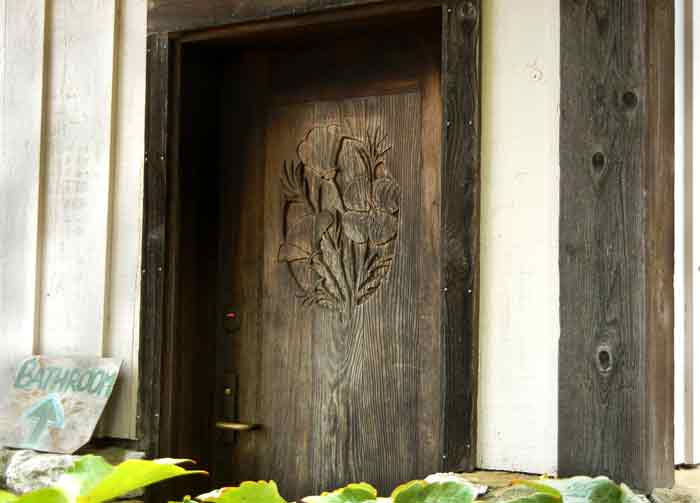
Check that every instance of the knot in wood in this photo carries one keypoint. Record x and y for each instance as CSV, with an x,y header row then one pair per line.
x,y
604,359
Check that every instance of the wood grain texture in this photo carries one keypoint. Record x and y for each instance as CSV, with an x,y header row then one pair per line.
x,y
460,231
348,397
429,414
616,249
181,15
21,96
158,74
75,214
371,17
658,159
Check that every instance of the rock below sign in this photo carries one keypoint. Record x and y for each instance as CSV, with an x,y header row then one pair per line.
x,y
55,402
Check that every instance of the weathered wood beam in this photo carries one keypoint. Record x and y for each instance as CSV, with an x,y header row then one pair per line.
x,y
616,241
184,15
155,212
461,189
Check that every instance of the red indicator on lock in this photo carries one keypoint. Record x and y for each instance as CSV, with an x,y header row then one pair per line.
x,y
231,315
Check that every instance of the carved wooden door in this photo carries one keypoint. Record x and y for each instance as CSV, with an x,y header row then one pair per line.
x,y
334,259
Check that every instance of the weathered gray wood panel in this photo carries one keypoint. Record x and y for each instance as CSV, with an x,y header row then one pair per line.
x,y
616,241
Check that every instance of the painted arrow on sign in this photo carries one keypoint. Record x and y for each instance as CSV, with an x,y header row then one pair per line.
x,y
46,413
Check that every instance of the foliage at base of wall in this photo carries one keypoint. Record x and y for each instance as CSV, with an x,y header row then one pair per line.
x,y
92,480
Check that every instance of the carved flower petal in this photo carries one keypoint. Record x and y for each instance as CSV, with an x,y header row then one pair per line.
x,y
318,150
385,192
291,253
323,221
383,227
329,198
356,195
302,233
356,226
303,273
352,162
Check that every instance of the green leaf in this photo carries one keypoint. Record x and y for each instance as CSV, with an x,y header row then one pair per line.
x,y
582,490
541,487
628,496
420,491
7,497
536,498
85,474
47,495
247,492
263,492
131,475
352,493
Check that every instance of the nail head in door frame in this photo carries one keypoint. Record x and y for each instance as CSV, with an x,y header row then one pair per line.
x,y
172,21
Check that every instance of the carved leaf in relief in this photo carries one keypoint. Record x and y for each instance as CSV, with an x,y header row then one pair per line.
x,y
340,218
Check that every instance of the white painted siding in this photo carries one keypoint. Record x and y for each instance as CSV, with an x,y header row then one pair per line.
x,y
122,321
519,315
687,239
683,226
21,88
72,91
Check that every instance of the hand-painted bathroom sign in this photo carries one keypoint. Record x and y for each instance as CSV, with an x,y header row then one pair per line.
x,y
55,402
46,412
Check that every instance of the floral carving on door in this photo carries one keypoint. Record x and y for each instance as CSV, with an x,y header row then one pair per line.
x,y
340,218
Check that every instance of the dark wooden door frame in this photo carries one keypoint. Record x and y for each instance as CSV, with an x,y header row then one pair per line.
x,y
173,22
616,240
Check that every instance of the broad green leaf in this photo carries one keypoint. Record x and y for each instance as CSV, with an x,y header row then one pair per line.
x,y
131,475
85,473
46,495
247,492
7,497
583,490
629,496
352,493
540,487
537,498
420,491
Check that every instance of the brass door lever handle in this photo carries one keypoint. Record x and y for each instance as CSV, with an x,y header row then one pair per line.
x,y
227,425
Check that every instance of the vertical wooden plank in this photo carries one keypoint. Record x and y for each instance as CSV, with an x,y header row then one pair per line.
x,y
78,168
428,292
21,98
154,240
519,297
616,241
658,189
121,331
460,230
